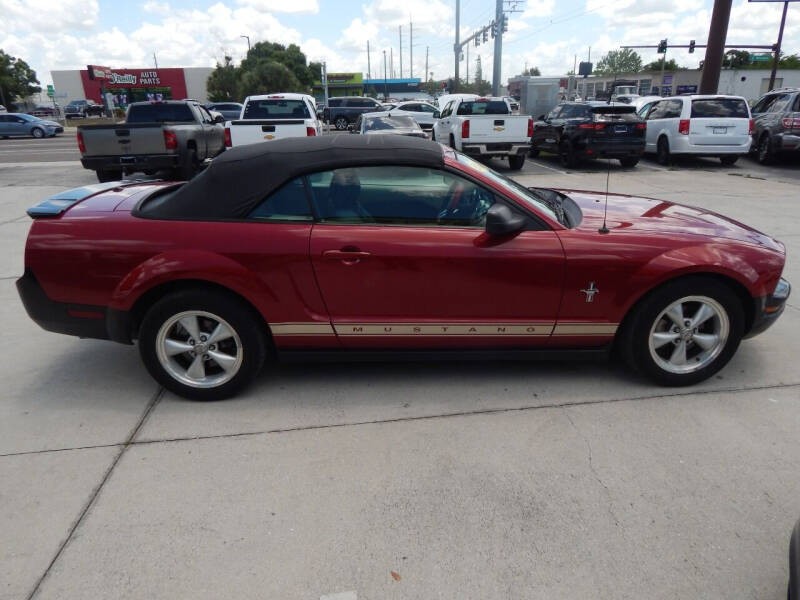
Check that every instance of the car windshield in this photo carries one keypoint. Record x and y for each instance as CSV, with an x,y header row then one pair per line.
x,y
379,123
512,187
276,108
720,107
160,113
483,107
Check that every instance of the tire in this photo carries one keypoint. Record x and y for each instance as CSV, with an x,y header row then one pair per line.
x,y
104,176
629,162
452,141
764,153
37,132
189,168
433,135
516,162
533,152
729,159
566,154
242,352
662,152
650,344
341,123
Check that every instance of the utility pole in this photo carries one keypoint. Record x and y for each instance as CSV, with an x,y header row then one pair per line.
x,y
400,28
410,50
715,48
385,88
457,46
663,64
498,47
467,64
325,81
426,62
369,69
247,37
777,49
155,60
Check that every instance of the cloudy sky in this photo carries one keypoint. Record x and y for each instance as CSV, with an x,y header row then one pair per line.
x,y
546,33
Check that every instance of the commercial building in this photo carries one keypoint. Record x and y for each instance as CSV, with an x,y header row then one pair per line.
x,y
133,85
354,84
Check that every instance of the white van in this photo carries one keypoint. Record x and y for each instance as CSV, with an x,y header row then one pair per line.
x,y
715,125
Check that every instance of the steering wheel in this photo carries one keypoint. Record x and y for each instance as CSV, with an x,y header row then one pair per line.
x,y
450,204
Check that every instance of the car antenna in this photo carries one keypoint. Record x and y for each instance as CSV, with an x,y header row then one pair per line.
x,y
604,229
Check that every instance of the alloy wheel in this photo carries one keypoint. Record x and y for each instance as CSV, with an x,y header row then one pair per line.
x,y
341,123
689,334
199,349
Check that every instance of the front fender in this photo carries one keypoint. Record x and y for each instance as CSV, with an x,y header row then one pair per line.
x,y
191,265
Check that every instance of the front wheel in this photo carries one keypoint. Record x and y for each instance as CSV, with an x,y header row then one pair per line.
x,y
341,123
683,332
202,344
566,154
515,162
37,132
729,159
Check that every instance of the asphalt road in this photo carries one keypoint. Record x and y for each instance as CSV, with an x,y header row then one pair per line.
x,y
378,481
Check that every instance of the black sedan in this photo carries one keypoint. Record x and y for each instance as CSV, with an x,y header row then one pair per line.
x,y
575,130
387,123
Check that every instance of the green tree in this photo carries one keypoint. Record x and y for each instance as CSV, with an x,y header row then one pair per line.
x,y
735,59
291,57
316,71
532,72
624,60
223,83
266,77
17,79
670,65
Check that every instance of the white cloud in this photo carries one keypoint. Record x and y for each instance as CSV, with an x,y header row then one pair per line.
x,y
355,36
51,15
284,6
156,8
538,8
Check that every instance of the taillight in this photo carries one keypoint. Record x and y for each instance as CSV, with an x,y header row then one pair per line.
x,y
752,126
597,126
228,143
683,126
170,140
310,132
530,127
788,123
465,129
81,145
641,126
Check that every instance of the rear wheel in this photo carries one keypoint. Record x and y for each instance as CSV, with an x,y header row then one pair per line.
x,y
765,154
341,123
729,159
629,162
106,175
662,151
202,344
190,166
533,152
684,332
566,154
515,162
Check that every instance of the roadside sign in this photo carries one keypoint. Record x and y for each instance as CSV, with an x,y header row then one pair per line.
x,y
98,72
763,57
51,91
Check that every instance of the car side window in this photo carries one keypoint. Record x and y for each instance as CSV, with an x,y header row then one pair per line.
x,y
780,104
427,108
205,114
642,112
288,203
796,107
674,109
573,111
411,196
448,108
763,104
553,114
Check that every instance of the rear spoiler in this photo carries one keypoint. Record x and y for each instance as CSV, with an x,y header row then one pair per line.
x,y
56,205
613,109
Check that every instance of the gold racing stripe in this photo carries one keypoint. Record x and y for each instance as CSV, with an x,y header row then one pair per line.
x,y
536,329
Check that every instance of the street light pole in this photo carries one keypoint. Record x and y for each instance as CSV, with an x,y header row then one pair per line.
x,y
778,49
247,37
385,87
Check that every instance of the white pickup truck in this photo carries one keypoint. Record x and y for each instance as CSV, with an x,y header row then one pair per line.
x,y
485,127
273,117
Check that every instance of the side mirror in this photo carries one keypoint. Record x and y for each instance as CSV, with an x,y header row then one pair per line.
x,y
501,221
437,114
219,119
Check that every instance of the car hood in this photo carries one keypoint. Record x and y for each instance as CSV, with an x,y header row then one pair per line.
x,y
638,214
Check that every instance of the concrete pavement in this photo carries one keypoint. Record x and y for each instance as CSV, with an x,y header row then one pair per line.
x,y
488,480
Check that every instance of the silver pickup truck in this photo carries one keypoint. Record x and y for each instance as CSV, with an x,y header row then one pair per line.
x,y
173,135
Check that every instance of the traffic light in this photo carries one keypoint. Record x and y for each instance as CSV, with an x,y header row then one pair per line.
x,y
662,47
691,47
477,40
494,29
505,23
485,35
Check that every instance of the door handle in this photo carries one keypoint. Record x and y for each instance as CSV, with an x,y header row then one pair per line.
x,y
348,257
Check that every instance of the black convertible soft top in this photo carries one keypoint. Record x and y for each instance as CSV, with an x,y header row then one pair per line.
x,y
237,180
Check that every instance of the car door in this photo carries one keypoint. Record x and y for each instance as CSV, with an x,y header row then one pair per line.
x,y
4,124
18,126
760,113
425,115
403,260
441,127
654,121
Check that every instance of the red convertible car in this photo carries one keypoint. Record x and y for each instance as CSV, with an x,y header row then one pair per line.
x,y
383,246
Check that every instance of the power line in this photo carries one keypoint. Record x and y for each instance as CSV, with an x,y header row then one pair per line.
x,y
556,20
